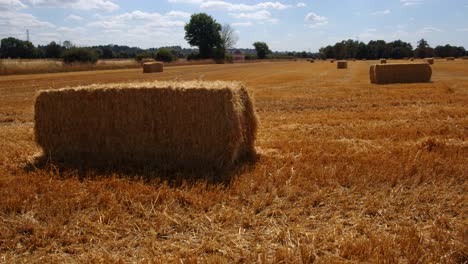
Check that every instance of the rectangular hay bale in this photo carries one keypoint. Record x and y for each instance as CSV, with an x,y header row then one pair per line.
x,y
171,125
342,65
400,73
150,67
430,61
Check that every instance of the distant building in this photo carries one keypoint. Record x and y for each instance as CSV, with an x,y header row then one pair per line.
x,y
238,56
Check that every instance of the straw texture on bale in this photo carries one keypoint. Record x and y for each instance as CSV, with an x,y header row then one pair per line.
x,y
400,73
170,125
430,61
372,73
383,61
150,67
342,64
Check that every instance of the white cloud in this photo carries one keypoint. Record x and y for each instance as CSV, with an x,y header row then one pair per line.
x,y
426,30
178,14
411,2
104,5
15,24
382,13
314,21
261,15
223,5
11,5
139,19
462,29
242,24
73,18
301,4
186,1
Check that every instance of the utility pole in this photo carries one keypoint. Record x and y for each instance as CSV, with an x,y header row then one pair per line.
x,y
27,35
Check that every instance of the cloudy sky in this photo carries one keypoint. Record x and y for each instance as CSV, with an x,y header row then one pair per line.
x,y
283,24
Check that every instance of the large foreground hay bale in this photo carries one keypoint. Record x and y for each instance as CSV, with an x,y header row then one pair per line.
x,y
342,64
170,125
400,73
430,61
150,67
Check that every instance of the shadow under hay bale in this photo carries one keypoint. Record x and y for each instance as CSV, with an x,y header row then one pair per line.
x,y
168,126
400,73
342,65
150,67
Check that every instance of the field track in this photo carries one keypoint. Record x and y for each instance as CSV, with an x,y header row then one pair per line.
x,y
347,171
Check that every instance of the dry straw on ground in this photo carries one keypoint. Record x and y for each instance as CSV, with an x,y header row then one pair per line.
x,y
150,67
400,73
430,61
171,125
342,64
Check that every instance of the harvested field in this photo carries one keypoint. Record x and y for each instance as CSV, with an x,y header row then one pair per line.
x,y
347,172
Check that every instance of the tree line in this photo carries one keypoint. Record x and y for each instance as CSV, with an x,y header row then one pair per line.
x,y
217,41
376,49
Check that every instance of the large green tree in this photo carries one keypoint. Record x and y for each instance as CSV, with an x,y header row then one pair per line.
x,y
204,32
262,49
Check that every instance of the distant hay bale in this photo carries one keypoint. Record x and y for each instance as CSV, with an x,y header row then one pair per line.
x,y
450,58
332,61
171,125
411,59
430,61
400,73
383,61
342,64
150,67
464,58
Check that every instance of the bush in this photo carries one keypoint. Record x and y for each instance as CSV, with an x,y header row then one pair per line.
x,y
219,55
193,56
165,55
83,55
228,58
250,57
143,55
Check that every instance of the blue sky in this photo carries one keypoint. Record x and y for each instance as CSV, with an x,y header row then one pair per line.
x,y
283,24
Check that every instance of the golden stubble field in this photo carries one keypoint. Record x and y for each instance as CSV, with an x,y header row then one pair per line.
x,y
347,172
